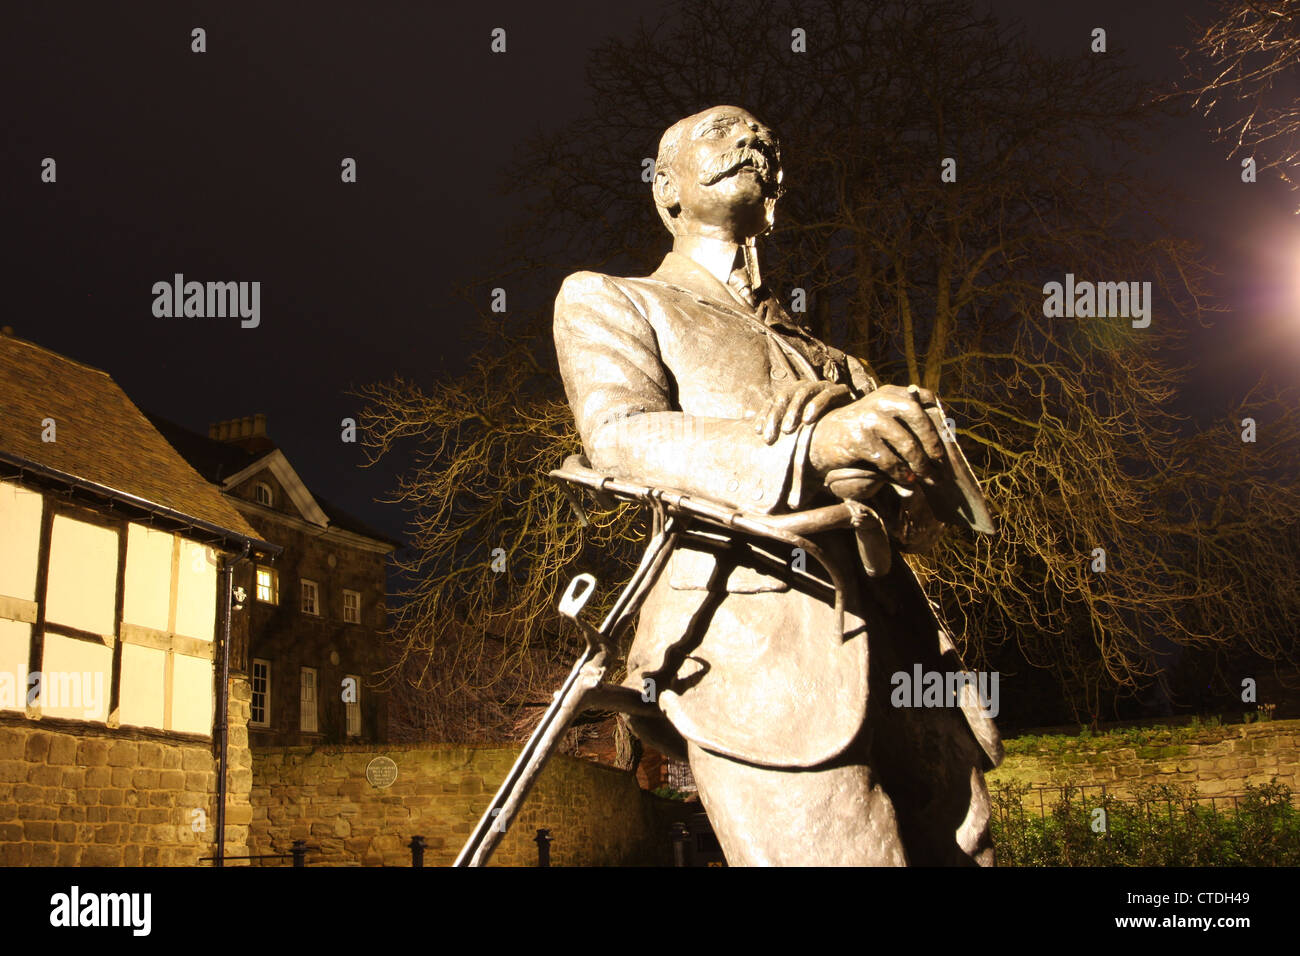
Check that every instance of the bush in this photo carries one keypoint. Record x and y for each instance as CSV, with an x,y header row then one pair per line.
x,y
1162,826
669,793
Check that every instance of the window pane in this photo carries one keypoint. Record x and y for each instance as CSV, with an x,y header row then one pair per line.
x,y
353,707
261,691
307,702
266,586
309,597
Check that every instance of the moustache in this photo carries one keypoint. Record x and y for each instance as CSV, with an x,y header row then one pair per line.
x,y
733,159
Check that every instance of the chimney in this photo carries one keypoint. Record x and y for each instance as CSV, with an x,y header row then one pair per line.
x,y
248,433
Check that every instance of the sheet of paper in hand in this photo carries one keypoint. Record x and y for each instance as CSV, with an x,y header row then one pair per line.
x,y
959,501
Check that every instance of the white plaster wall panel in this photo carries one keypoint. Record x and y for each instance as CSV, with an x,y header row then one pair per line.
x,y
196,598
148,577
140,696
82,587
15,643
76,678
20,540
191,694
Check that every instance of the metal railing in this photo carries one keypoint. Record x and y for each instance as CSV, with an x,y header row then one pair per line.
x,y
298,854
417,846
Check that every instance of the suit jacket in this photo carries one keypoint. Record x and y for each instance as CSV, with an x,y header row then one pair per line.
x,y
665,375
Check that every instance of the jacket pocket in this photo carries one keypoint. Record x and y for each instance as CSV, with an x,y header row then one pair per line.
x,y
690,569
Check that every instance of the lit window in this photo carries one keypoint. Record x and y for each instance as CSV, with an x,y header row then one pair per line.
x,y
307,701
268,586
351,607
353,707
310,597
260,709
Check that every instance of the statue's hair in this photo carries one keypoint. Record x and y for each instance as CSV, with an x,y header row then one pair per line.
x,y
670,141
668,145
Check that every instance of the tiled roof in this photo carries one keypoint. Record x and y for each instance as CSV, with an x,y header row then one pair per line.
x,y
218,460
214,460
342,519
100,435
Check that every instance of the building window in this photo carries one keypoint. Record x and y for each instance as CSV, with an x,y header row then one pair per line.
x,y
677,774
352,706
260,709
307,701
268,586
264,495
310,597
352,607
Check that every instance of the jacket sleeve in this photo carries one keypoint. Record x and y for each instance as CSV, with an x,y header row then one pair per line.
x,y
622,399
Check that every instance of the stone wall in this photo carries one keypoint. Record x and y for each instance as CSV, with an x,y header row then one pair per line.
x,y
74,794
239,769
598,816
80,798
1217,760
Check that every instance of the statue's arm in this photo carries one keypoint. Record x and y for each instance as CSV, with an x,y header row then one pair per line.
x,y
908,519
619,391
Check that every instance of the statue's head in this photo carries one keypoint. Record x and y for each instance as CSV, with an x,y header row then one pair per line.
x,y
718,174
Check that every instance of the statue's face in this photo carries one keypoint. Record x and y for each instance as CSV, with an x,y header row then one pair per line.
x,y
725,177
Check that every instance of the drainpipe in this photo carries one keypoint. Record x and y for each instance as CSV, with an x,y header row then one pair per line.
x,y
223,704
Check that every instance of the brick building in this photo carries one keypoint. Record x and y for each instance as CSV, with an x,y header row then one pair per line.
x,y
310,642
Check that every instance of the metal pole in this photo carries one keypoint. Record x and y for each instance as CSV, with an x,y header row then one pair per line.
x,y
299,852
417,851
543,841
223,705
587,673
679,843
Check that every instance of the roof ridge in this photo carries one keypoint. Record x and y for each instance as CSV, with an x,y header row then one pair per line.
x,y
58,355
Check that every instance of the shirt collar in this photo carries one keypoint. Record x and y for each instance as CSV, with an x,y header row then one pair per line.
x,y
685,273
716,256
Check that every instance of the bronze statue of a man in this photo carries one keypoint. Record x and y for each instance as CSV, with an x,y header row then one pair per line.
x,y
695,379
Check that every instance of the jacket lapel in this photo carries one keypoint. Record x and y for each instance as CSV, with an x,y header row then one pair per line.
x,y
788,343
687,274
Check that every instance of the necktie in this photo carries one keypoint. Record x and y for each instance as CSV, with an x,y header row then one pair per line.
x,y
739,282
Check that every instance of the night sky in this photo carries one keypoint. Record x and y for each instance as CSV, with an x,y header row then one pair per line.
x,y
225,166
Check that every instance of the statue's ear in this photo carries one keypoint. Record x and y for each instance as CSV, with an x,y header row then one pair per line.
x,y
665,191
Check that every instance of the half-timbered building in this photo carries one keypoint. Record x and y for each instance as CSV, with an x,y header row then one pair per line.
x,y
115,721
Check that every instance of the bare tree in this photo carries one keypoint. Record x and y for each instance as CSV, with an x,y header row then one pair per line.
x,y
1243,74
491,543
1070,420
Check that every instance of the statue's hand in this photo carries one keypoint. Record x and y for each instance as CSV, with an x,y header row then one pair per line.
x,y
856,483
800,403
888,431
